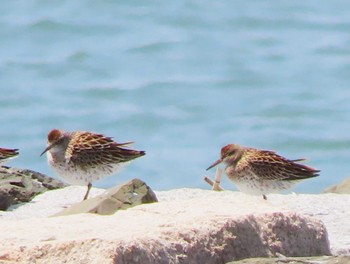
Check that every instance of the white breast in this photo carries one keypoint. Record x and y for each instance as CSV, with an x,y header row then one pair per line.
x,y
76,175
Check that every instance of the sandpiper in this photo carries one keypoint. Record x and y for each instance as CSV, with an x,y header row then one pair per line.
x,y
6,154
260,172
82,157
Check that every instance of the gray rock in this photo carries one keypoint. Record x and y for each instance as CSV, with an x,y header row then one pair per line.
x,y
132,193
21,185
343,187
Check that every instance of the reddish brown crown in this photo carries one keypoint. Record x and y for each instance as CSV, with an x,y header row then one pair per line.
x,y
229,149
53,135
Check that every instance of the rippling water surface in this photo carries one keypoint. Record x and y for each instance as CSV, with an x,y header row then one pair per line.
x,y
181,79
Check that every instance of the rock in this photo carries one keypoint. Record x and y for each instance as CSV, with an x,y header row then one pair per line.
x,y
132,193
343,187
294,260
21,185
250,236
185,226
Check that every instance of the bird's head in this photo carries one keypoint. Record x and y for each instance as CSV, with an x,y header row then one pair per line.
x,y
230,153
55,139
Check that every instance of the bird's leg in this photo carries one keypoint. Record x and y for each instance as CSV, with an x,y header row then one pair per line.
x,y
264,196
88,190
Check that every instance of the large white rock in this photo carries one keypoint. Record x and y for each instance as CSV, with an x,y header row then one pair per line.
x,y
186,226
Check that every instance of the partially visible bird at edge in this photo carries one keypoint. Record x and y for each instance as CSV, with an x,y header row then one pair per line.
x,y
6,154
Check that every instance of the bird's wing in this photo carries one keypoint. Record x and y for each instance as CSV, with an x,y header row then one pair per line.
x,y
270,166
87,148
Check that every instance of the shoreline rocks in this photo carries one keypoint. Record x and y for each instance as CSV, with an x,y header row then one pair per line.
x,y
296,260
127,195
185,226
342,187
21,185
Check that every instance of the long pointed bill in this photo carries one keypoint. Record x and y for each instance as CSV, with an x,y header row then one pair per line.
x,y
48,148
214,164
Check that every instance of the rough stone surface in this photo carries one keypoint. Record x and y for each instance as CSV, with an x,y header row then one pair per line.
x,y
21,185
132,193
249,236
343,187
294,260
185,226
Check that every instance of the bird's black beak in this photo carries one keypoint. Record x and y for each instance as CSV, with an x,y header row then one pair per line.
x,y
47,149
214,164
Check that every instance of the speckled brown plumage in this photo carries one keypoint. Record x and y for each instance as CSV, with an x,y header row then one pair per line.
x,y
81,157
87,149
262,171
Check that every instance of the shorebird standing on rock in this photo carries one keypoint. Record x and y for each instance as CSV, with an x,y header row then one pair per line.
x,y
83,157
260,172
6,154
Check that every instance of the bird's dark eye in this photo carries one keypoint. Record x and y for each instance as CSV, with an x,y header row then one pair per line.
x,y
232,153
227,154
58,141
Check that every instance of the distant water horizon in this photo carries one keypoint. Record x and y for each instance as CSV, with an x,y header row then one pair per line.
x,y
181,80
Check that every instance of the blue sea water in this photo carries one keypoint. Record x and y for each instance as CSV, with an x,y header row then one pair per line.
x,y
181,79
